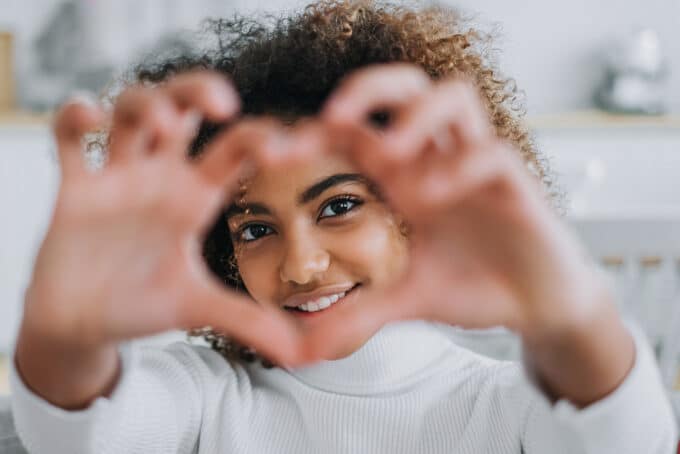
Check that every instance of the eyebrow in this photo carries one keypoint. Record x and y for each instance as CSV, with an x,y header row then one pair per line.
x,y
307,196
250,208
318,188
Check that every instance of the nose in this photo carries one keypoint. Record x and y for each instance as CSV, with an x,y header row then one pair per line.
x,y
304,260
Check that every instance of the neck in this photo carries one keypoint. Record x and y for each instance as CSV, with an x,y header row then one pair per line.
x,y
399,354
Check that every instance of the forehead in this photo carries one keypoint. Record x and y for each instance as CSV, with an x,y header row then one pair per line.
x,y
288,181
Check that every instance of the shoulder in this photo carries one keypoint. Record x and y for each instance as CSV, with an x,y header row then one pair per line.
x,y
203,365
499,378
488,382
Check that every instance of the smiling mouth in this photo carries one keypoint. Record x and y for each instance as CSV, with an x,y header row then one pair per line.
x,y
320,305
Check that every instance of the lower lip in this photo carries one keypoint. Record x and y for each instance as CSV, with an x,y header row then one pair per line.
x,y
302,314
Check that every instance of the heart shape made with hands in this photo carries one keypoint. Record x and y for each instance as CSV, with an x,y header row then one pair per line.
x,y
486,249
481,233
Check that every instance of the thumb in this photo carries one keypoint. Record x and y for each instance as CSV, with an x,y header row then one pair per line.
x,y
272,333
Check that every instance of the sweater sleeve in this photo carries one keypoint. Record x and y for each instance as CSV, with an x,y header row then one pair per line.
x,y
154,408
635,418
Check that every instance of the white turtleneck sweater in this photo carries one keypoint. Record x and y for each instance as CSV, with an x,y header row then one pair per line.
x,y
409,389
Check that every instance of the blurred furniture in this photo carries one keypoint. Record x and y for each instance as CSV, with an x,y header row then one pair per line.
x,y
9,442
4,375
7,95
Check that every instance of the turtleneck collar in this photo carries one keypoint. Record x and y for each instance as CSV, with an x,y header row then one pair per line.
x,y
399,354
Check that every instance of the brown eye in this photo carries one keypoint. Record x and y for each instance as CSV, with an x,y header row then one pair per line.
x,y
254,232
338,207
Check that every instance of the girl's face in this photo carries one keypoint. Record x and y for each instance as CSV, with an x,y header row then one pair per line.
x,y
314,234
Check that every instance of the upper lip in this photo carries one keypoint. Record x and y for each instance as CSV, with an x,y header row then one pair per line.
x,y
297,299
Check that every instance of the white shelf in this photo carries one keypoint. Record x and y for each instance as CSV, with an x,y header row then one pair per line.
x,y
595,119
633,214
590,119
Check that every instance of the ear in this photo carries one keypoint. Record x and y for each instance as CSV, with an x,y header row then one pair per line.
x,y
400,222
404,228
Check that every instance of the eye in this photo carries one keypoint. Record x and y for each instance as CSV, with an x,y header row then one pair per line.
x,y
252,232
339,206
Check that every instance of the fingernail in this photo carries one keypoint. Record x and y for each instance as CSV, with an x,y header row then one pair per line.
x,y
230,101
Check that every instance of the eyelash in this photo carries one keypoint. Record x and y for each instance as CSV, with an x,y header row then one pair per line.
x,y
356,202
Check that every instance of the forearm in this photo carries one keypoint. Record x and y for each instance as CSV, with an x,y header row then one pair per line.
x,y
636,417
584,358
65,374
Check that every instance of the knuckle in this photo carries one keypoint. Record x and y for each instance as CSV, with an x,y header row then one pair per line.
x,y
129,106
161,117
147,108
73,119
205,88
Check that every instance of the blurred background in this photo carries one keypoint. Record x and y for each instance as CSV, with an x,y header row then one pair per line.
x,y
602,84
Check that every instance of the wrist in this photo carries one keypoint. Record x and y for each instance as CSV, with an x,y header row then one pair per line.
x,y
58,320
67,375
582,354
572,313
57,362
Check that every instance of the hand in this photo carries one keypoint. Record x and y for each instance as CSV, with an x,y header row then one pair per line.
x,y
487,249
122,257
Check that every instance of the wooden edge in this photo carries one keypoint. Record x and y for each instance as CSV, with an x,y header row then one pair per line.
x,y
587,119
24,119
593,119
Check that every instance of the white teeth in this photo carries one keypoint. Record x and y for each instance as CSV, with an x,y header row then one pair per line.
x,y
324,302
321,303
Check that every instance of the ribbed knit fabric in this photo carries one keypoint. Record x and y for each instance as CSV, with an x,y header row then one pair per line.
x,y
409,389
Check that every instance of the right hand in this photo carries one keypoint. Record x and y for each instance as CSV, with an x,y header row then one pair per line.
x,y
122,256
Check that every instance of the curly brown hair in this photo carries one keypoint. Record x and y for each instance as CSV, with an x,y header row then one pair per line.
x,y
287,67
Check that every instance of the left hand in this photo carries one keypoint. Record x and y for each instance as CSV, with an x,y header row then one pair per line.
x,y
487,249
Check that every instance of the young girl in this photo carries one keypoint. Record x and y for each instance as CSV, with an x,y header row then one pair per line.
x,y
377,186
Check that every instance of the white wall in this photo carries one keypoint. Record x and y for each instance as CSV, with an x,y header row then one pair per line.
x,y
549,46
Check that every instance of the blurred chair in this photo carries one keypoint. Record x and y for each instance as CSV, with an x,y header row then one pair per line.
x,y
9,441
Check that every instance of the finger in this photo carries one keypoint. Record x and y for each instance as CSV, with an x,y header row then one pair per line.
x,y
198,95
360,144
449,116
74,119
356,321
143,120
463,177
250,141
271,332
307,139
206,92
377,87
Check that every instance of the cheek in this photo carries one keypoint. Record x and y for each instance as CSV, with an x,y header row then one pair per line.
x,y
259,272
373,250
